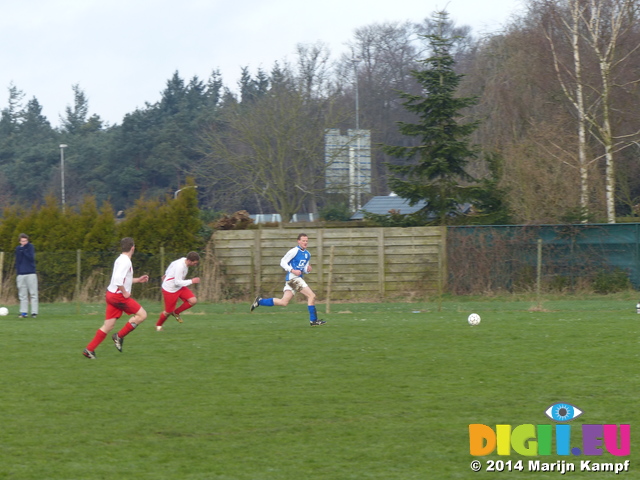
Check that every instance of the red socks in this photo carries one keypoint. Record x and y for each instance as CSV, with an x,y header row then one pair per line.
x,y
162,319
183,307
100,335
97,340
127,329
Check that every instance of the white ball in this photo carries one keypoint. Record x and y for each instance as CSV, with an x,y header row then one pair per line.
x,y
4,311
474,319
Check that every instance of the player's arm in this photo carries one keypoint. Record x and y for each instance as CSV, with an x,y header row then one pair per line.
x,y
141,279
29,252
123,291
179,277
286,260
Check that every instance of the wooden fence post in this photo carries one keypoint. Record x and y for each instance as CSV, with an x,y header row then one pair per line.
x,y
318,268
329,281
257,262
381,272
161,261
78,270
1,270
539,271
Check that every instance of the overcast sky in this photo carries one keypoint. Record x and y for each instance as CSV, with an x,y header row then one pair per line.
x,y
122,52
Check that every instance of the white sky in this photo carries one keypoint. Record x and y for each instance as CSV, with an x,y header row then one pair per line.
x,y
122,52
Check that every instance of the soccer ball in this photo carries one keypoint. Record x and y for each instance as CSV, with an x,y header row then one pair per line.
x,y
4,311
474,319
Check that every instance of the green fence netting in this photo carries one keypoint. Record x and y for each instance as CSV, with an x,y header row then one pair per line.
x,y
568,257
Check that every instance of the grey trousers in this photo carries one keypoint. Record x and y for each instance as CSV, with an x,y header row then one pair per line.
x,y
28,290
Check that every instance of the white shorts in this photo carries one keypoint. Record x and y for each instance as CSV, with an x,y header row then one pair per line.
x,y
296,284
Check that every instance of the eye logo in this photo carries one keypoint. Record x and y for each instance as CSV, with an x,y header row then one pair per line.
x,y
562,412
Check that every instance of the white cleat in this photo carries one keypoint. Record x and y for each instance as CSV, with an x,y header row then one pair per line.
x,y
159,328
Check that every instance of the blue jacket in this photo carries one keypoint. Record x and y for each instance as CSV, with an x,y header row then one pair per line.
x,y
25,259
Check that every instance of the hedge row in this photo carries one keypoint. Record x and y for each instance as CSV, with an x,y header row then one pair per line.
x,y
172,225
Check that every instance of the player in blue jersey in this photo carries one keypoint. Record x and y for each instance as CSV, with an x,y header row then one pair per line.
x,y
296,263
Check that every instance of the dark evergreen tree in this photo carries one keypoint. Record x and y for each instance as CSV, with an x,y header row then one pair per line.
x,y
77,120
214,90
278,76
434,169
155,148
28,151
173,96
251,89
34,125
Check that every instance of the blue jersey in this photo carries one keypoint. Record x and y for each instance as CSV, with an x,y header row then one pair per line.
x,y
295,259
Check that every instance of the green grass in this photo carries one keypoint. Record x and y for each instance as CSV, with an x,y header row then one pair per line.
x,y
383,391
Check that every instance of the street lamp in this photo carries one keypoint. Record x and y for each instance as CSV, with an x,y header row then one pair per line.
x,y
355,179
62,147
175,195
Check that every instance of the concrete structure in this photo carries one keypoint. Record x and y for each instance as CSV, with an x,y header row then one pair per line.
x,y
348,162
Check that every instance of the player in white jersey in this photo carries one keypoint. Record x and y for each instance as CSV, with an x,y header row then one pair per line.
x,y
175,286
119,301
296,262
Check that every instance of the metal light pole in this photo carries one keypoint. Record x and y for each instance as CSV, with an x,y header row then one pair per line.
x,y
175,194
356,61
62,147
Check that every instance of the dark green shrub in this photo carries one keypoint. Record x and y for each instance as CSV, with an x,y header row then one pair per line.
x,y
335,213
611,281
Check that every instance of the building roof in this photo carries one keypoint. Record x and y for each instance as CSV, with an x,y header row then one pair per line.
x,y
382,205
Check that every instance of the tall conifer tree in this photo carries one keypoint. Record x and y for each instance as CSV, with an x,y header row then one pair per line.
x,y
433,169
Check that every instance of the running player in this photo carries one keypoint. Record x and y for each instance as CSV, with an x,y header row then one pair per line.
x,y
296,263
119,301
174,287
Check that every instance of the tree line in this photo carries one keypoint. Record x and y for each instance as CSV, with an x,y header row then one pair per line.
x,y
555,115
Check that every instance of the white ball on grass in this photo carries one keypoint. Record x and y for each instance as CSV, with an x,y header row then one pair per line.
x,y
474,319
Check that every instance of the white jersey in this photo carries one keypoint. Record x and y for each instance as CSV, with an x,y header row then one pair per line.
x,y
295,259
122,274
175,274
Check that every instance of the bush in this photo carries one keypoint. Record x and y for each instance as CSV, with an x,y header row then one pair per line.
x,y
336,213
611,281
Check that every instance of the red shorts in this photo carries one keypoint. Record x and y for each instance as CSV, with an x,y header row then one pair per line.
x,y
117,305
171,299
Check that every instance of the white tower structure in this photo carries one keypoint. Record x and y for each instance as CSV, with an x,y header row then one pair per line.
x,y
348,162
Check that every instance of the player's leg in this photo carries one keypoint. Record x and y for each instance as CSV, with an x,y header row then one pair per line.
x,y
139,316
135,320
23,294
286,298
32,287
170,300
188,300
101,334
270,302
311,306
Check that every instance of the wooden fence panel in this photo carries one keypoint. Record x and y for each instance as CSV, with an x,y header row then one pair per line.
x,y
368,262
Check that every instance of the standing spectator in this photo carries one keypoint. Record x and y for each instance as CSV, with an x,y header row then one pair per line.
x,y
174,287
26,279
296,262
119,301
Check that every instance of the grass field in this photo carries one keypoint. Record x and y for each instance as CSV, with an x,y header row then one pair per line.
x,y
383,391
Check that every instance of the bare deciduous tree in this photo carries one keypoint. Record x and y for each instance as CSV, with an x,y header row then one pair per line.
x,y
273,148
597,28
